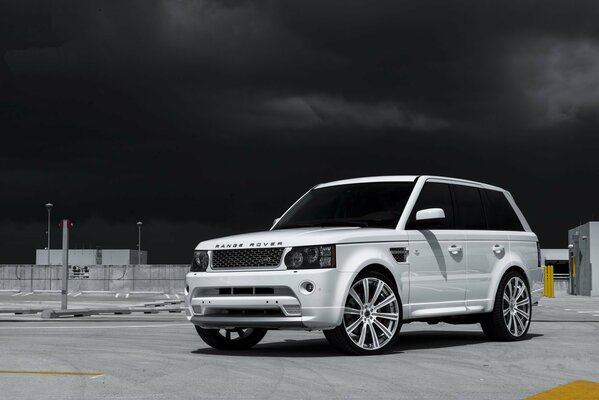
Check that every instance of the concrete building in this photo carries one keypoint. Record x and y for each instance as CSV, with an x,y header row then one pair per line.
x,y
92,257
583,246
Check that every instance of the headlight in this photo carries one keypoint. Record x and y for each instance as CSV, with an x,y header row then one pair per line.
x,y
200,261
311,257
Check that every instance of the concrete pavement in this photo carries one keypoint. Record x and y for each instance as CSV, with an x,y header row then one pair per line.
x,y
161,357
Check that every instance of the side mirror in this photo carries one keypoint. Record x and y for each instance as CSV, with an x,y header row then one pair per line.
x,y
430,214
275,221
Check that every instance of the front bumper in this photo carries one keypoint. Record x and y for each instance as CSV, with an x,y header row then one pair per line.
x,y
267,299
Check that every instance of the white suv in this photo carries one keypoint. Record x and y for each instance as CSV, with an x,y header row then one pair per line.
x,y
359,257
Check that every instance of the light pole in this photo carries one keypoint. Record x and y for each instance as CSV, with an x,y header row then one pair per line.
x,y
48,269
139,224
49,207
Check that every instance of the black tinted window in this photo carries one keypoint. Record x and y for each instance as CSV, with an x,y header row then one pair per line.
x,y
433,195
469,208
500,214
377,205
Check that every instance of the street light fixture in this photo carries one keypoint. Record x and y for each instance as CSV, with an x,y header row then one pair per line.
x,y
139,224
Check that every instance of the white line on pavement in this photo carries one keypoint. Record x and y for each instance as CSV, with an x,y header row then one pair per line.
x,y
92,327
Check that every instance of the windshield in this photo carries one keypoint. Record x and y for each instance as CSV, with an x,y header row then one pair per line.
x,y
377,205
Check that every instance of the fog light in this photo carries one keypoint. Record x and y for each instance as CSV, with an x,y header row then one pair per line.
x,y
307,287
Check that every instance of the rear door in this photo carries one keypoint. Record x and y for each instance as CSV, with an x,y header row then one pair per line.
x,y
437,264
484,221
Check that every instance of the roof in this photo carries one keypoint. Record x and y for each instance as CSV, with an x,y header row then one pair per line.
x,y
404,178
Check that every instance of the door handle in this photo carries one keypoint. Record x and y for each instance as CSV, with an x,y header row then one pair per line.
x,y
454,249
498,249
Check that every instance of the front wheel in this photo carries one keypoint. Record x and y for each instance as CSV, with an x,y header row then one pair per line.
x,y
231,339
512,311
372,316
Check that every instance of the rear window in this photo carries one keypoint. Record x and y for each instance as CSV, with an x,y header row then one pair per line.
x,y
500,213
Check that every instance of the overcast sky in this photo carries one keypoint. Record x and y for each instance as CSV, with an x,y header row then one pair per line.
x,y
209,118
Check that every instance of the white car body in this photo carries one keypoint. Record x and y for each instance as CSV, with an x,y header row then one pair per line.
x,y
433,284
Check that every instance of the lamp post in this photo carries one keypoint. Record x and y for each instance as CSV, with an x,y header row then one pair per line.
x,y
139,224
49,207
48,269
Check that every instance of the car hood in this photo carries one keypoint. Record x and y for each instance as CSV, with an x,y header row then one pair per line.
x,y
303,237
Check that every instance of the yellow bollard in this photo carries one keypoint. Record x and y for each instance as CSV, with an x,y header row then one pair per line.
x,y
552,287
548,287
545,280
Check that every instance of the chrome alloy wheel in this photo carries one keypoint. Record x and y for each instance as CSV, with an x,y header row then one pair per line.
x,y
516,306
371,314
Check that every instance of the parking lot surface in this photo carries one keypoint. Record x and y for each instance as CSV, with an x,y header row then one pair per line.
x,y
161,357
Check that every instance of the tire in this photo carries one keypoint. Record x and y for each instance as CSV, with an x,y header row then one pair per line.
x,y
367,327
231,339
512,310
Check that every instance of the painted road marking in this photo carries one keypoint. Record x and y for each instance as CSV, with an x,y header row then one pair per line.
x,y
96,374
93,327
579,390
78,294
16,294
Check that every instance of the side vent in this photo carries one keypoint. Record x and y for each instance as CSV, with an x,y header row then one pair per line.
x,y
399,253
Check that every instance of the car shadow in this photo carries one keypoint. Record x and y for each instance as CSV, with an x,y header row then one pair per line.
x,y
408,341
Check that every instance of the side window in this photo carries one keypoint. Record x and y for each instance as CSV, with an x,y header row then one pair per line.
x,y
469,208
500,214
433,195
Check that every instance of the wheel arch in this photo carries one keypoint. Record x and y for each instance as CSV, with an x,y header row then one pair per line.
x,y
384,270
512,267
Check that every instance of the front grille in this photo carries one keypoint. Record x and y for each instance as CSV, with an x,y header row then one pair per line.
x,y
293,309
243,291
247,258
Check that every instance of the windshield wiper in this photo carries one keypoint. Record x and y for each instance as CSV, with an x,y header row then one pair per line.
x,y
291,226
326,223
343,222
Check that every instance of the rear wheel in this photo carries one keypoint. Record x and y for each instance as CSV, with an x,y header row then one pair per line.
x,y
512,311
231,339
372,316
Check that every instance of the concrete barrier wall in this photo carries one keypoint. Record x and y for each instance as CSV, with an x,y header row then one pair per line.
x,y
167,278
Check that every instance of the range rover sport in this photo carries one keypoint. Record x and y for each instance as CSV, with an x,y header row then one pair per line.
x,y
358,258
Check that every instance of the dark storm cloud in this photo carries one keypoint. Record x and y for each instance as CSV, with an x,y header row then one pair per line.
x,y
205,118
